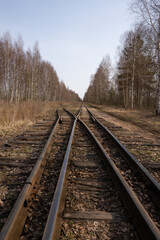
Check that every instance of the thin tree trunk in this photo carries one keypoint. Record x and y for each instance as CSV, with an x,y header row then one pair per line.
x,y
124,99
132,85
158,83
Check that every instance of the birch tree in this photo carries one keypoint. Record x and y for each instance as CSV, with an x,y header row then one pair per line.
x,y
149,13
136,70
25,76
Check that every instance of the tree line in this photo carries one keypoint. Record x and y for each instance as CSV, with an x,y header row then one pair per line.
x,y
25,76
136,81
100,85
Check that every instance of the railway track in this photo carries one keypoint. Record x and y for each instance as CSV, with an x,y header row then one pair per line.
x,y
138,178
17,158
145,149
14,220
80,208
79,192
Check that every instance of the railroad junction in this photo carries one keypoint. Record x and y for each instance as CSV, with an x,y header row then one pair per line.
x,y
80,177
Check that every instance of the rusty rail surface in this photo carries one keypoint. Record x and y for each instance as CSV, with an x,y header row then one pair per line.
x,y
15,222
16,219
154,186
52,229
141,219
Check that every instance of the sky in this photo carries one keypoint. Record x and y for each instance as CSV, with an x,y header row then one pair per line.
x,y
73,35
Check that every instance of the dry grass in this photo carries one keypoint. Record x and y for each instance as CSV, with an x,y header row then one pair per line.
x,y
11,113
16,117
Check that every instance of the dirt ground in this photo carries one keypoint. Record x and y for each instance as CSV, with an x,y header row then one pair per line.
x,y
145,123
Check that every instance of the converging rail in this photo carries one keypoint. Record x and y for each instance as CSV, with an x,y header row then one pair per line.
x,y
154,187
91,189
15,223
52,229
137,212
142,221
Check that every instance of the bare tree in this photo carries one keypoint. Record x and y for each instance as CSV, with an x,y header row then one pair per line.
x,y
97,92
149,12
136,70
24,76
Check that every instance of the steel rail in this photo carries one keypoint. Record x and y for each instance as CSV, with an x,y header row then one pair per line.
x,y
141,219
74,116
154,186
52,228
16,219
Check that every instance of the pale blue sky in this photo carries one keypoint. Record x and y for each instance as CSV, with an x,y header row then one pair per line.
x,y
74,35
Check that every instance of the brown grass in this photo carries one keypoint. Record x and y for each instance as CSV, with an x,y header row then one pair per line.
x,y
16,117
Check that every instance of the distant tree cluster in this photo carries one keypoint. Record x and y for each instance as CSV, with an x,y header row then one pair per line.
x,y
136,82
100,88
25,76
